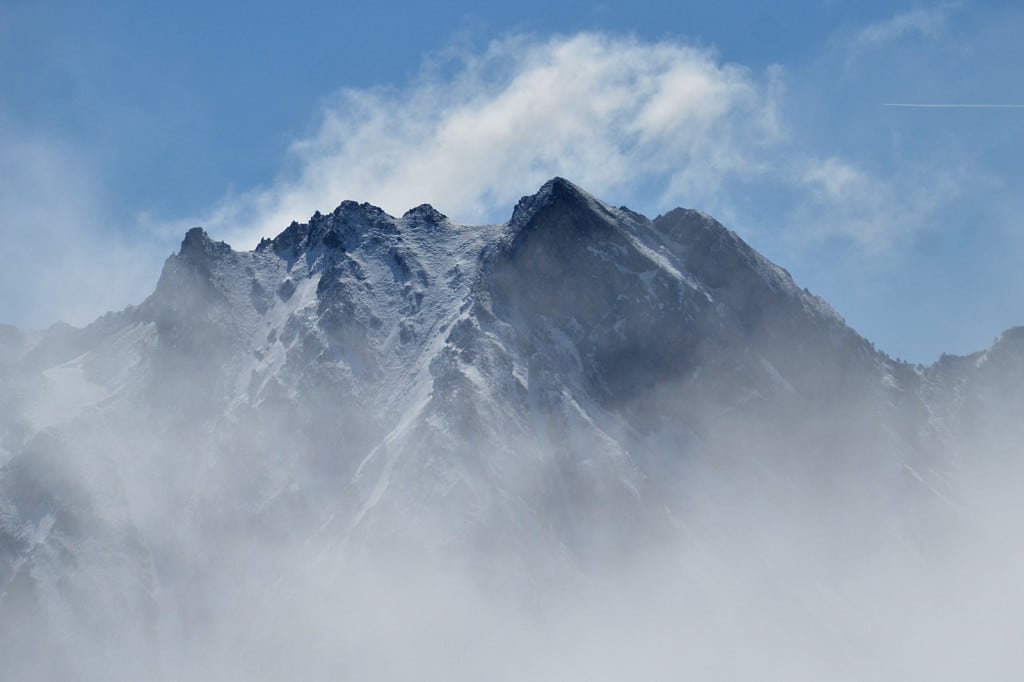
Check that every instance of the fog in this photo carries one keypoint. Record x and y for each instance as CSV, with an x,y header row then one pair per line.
x,y
360,460
766,574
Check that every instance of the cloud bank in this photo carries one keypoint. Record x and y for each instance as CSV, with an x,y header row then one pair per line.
x,y
474,134
662,123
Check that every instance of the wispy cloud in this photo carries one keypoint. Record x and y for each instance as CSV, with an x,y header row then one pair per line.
x,y
923,22
60,255
658,123
840,198
612,113
621,117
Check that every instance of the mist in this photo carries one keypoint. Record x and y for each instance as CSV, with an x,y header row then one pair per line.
x,y
757,579
382,448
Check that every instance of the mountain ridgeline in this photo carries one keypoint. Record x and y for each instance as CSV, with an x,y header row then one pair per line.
x,y
553,394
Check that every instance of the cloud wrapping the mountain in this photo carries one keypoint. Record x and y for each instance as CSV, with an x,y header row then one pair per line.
x,y
473,134
664,123
53,208
652,124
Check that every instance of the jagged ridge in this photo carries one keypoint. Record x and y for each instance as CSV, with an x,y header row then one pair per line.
x,y
362,380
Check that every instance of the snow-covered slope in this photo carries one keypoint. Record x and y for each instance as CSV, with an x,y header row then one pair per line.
x,y
361,382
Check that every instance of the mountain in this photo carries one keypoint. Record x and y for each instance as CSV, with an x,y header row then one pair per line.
x,y
569,388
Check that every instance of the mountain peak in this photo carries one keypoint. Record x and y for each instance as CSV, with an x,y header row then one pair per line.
x,y
551,396
562,196
197,248
557,189
354,209
560,186
424,214
195,234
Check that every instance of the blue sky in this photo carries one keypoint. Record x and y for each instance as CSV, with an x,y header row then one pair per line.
x,y
123,123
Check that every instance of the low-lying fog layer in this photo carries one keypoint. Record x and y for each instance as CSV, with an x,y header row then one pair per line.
x,y
754,585
753,595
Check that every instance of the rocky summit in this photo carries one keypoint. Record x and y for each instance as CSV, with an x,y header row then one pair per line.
x,y
549,395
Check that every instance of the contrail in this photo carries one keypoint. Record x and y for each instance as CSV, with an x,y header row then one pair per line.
x,y
956,106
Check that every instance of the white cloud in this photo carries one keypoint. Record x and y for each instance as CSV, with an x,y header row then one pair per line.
x,y
842,199
663,122
611,113
655,124
61,260
929,23
620,117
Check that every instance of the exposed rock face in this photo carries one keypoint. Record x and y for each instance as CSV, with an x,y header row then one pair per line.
x,y
365,381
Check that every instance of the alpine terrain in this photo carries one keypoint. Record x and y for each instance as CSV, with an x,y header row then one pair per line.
x,y
579,443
